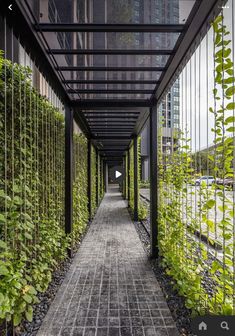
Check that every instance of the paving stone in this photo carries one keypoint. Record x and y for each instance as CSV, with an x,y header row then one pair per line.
x,y
110,288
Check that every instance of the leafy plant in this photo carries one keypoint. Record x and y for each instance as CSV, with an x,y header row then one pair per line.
x,y
187,260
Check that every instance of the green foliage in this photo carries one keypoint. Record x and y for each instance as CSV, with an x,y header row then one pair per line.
x,y
80,200
142,209
186,258
93,180
31,192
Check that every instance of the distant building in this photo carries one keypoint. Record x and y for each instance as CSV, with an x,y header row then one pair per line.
x,y
163,11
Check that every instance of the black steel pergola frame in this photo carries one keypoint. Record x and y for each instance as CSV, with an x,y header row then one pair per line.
x,y
109,136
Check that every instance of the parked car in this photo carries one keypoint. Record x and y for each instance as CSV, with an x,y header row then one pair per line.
x,y
209,180
227,182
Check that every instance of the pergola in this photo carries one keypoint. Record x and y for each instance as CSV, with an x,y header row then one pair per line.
x,y
111,102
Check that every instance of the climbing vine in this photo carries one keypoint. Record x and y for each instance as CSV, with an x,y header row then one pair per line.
x,y
142,210
204,278
93,180
80,200
32,238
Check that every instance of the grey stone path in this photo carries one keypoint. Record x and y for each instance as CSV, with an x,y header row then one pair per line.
x,y
110,289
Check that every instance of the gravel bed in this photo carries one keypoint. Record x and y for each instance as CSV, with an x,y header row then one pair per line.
x,y
175,302
46,298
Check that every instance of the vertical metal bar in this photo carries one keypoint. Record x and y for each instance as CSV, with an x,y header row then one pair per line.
x,y
153,183
136,191
89,178
68,170
97,178
128,176
106,177
124,177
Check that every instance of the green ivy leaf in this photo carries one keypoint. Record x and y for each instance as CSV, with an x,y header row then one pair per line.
x,y
210,203
3,270
230,106
3,245
27,298
230,91
17,319
29,314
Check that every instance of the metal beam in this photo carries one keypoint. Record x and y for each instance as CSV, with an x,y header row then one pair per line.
x,y
107,27
197,26
110,68
97,176
111,118
128,176
68,172
112,129
110,112
19,20
110,81
153,183
136,191
114,149
108,137
109,91
112,123
89,178
124,178
134,52
87,104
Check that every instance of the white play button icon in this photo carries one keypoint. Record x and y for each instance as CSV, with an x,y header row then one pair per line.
x,y
117,174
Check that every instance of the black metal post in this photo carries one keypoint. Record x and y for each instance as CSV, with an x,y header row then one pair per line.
x,y
106,177
153,183
128,176
124,177
136,191
89,177
97,178
68,171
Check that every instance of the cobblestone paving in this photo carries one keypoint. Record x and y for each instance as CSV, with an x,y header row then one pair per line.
x,y
110,289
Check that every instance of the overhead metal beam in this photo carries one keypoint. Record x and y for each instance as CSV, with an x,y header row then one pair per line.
x,y
108,137
112,118
198,24
109,91
108,112
87,104
114,150
107,27
110,68
110,81
19,20
109,123
132,52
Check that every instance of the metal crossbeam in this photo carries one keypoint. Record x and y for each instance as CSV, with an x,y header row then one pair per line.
x,y
110,52
88,104
103,68
112,117
92,27
109,91
84,81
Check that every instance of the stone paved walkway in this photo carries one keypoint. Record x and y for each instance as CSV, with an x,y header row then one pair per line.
x,y
110,289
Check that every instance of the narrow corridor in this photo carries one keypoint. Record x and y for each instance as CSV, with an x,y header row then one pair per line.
x,y
110,288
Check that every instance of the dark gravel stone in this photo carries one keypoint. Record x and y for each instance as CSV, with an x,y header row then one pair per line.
x,y
40,309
